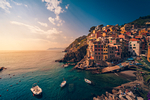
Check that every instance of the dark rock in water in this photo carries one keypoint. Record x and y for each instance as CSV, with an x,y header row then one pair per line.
x,y
58,60
2,68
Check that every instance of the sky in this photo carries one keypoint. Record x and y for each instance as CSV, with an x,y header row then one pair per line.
x,y
43,24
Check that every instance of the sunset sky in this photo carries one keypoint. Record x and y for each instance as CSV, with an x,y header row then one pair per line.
x,y
43,24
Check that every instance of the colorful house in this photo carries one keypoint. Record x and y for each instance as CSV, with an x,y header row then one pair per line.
x,y
143,31
105,52
134,46
148,52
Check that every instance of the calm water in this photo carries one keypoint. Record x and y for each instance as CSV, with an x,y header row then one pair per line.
x,y
39,67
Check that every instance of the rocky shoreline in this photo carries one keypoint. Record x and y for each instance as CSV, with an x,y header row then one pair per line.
x,y
133,90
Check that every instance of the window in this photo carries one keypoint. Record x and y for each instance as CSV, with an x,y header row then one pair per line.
x,y
95,49
96,53
112,51
101,49
99,57
106,46
149,58
134,47
130,47
96,57
99,46
99,53
134,44
104,50
118,53
102,46
98,49
95,46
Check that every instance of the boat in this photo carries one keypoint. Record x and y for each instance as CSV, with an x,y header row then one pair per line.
x,y
36,90
65,65
63,84
87,81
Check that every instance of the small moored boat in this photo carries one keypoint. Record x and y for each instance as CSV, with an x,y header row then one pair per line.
x,y
36,90
87,81
63,84
65,65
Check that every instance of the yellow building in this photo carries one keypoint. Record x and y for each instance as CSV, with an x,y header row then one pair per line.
x,y
105,52
123,31
93,31
148,52
143,31
113,29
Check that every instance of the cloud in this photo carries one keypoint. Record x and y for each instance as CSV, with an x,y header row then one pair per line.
x,y
16,3
52,20
26,6
5,5
53,5
43,24
35,29
19,16
67,6
56,21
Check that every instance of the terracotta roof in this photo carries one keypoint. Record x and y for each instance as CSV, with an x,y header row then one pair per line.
x,y
133,39
121,36
144,34
139,36
128,33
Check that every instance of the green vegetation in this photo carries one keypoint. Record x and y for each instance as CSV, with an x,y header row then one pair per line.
x,y
141,20
78,43
92,28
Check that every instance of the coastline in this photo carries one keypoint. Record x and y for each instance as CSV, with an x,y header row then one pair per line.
x,y
128,74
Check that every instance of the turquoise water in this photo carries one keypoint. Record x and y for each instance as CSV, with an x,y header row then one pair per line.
x,y
39,67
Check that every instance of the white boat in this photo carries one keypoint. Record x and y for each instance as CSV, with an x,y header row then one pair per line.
x,y
36,90
63,84
65,65
87,81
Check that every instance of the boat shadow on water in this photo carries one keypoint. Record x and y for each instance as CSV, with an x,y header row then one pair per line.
x,y
39,96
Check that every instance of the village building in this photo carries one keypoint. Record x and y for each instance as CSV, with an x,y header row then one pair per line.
x,y
134,47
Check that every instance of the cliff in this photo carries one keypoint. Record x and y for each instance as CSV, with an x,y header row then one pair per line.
x,y
76,50
77,44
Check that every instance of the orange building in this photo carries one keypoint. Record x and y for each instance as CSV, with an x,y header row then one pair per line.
x,y
142,31
148,52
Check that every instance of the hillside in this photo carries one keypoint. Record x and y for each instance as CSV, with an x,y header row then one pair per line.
x,y
141,20
77,44
76,50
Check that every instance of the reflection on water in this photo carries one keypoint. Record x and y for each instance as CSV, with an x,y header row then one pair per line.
x,y
39,67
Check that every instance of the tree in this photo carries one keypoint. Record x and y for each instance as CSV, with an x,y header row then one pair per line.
x,y
92,28
101,25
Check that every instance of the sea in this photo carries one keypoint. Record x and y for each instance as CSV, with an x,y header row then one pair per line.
x,y
24,68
